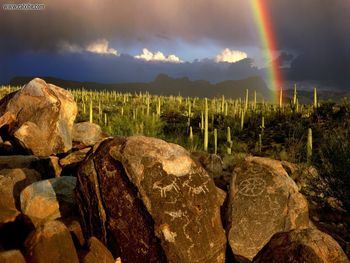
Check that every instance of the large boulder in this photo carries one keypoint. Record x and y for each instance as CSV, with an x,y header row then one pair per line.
x,y
12,182
306,245
146,199
49,199
87,133
11,256
51,242
44,116
263,200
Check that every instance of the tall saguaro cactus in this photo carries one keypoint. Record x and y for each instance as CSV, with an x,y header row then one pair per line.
x,y
309,146
206,123
91,112
246,100
242,119
215,141
315,98
229,141
281,97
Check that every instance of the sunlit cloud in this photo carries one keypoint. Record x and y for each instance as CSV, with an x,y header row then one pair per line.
x,y
69,47
230,56
158,56
101,46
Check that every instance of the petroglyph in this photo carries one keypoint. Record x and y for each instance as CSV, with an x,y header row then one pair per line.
x,y
253,186
164,188
174,214
196,190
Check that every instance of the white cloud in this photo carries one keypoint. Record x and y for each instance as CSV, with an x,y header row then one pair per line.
x,y
101,46
157,56
230,56
68,47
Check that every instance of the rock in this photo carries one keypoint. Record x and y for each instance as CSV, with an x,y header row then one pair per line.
x,y
13,234
46,166
7,122
6,148
306,245
212,163
51,242
12,182
44,116
335,204
11,256
97,252
75,229
152,201
87,133
73,160
263,200
49,199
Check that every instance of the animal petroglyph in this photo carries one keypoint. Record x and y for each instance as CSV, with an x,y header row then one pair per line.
x,y
164,188
196,190
253,186
175,214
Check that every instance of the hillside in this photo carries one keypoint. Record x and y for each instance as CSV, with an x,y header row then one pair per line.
x,y
165,85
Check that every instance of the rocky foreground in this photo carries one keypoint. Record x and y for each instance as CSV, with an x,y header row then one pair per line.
x,y
71,194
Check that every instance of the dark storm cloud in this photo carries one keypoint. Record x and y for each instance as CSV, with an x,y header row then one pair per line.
x,y
319,31
82,21
316,30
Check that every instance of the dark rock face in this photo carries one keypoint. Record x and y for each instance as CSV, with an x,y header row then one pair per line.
x,y
149,201
50,242
263,201
307,245
44,116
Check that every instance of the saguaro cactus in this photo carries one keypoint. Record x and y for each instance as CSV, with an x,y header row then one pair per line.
x,y
242,119
206,122
309,146
281,97
260,143
215,141
229,141
315,98
246,100
91,112
191,135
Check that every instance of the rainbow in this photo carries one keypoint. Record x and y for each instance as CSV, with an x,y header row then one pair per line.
x,y
268,40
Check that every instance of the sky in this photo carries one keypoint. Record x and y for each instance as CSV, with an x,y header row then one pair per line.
x,y
126,41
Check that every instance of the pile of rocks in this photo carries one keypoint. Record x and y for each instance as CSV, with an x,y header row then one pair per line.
x,y
75,196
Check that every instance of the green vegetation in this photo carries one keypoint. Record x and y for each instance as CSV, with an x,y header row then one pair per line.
x,y
315,134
